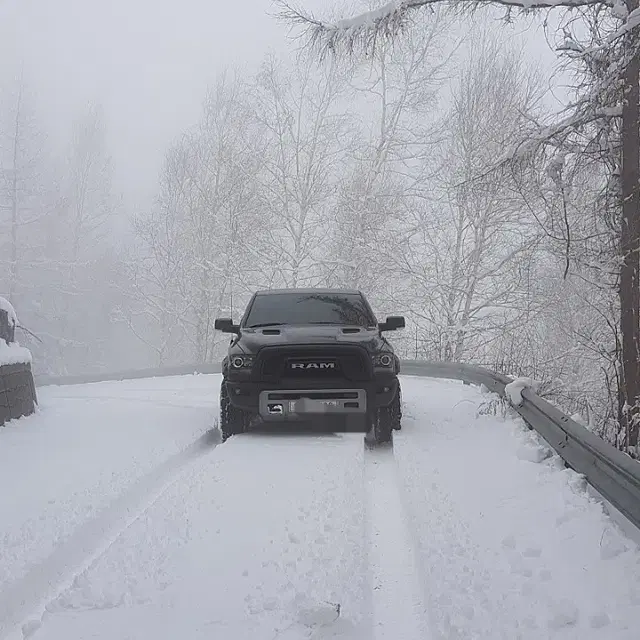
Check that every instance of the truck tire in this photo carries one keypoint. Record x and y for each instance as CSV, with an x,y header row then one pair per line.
x,y
233,421
387,420
396,418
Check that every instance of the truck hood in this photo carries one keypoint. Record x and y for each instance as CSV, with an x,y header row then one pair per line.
x,y
252,340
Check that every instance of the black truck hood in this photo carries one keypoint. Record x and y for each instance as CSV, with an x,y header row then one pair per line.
x,y
252,340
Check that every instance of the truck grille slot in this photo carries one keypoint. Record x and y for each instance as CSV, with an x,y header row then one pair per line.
x,y
316,395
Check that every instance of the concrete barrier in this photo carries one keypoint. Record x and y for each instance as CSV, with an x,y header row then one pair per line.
x,y
17,392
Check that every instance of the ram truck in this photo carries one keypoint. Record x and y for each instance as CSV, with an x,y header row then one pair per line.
x,y
303,355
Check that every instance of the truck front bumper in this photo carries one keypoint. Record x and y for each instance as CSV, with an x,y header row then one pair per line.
x,y
277,402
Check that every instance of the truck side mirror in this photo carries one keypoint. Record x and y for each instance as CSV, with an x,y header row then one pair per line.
x,y
226,325
392,323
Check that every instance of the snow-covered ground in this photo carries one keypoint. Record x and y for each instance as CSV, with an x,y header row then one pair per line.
x,y
125,518
511,544
83,452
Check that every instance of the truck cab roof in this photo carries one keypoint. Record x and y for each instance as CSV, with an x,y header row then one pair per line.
x,y
269,292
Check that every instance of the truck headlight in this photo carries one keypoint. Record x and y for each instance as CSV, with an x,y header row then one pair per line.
x,y
241,362
383,360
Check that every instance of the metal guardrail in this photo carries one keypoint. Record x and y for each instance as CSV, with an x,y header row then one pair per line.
x,y
612,473
133,374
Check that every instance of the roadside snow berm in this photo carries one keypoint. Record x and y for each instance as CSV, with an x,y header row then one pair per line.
x,y
17,388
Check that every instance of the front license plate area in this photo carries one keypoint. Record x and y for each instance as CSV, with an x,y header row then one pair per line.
x,y
291,404
309,405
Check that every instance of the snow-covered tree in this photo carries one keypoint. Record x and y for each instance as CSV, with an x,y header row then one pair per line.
x,y
299,109
24,187
198,242
470,245
603,42
70,282
391,166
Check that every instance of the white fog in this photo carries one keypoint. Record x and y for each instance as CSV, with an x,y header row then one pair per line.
x,y
319,319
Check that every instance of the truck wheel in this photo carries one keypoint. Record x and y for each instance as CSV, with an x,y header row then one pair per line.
x,y
396,408
388,419
232,420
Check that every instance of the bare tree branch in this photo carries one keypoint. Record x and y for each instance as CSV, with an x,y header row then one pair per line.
x,y
363,31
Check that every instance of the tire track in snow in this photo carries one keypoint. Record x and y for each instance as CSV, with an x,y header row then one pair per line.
x,y
398,602
27,598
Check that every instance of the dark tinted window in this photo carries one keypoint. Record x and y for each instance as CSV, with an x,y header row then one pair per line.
x,y
312,308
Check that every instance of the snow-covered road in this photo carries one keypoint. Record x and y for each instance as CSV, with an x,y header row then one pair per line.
x,y
123,517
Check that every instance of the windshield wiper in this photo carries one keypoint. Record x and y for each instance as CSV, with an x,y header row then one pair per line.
x,y
266,324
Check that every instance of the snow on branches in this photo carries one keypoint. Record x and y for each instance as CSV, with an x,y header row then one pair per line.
x,y
7,307
363,31
360,32
10,351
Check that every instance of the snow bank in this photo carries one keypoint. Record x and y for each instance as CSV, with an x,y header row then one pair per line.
x,y
14,354
514,389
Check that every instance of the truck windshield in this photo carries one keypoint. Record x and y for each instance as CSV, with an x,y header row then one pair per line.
x,y
309,308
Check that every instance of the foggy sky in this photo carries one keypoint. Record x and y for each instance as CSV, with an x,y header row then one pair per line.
x,y
147,62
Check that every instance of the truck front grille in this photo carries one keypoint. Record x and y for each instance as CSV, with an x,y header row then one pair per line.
x,y
315,363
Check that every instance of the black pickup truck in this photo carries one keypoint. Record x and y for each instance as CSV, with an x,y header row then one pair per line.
x,y
308,355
